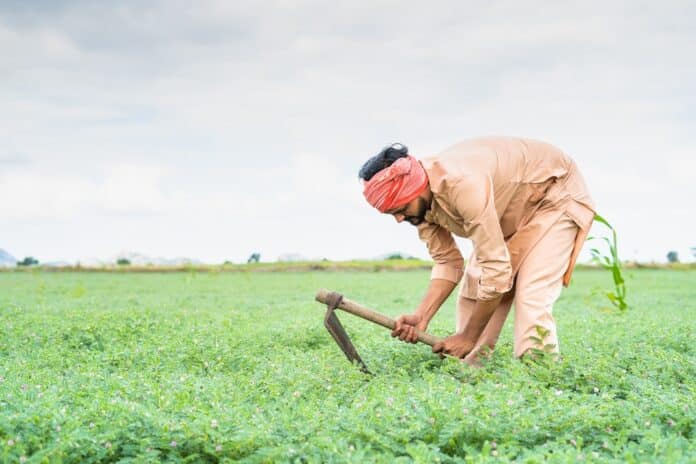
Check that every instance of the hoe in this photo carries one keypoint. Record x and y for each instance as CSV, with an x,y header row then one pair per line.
x,y
334,301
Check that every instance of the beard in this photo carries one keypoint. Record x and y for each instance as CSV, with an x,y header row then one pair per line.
x,y
419,217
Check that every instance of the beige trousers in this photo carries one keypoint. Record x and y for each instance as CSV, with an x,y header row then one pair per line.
x,y
537,287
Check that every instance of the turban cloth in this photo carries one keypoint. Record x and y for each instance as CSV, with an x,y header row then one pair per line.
x,y
396,185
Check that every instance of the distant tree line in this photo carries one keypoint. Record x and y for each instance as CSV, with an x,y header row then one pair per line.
x,y
28,261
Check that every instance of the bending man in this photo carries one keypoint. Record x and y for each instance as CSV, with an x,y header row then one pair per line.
x,y
524,205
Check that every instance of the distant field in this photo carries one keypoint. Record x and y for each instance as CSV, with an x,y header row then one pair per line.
x,y
303,266
283,266
227,366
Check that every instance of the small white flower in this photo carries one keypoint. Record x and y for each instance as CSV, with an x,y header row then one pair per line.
x,y
595,389
2,379
390,401
510,402
91,425
107,444
22,459
558,392
218,448
647,423
214,423
57,428
295,393
573,442
10,442
494,445
494,452
173,444
465,411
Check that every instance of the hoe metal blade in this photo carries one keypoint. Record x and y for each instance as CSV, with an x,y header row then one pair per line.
x,y
335,328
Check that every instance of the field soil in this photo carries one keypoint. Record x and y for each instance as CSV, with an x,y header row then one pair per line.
x,y
226,367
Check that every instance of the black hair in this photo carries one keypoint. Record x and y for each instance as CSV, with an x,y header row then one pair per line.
x,y
382,160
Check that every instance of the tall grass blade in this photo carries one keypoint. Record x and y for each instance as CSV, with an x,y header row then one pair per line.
x,y
611,262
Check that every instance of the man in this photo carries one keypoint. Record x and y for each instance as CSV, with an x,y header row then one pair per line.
x,y
526,208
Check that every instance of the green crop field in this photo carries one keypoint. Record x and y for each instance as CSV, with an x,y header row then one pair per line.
x,y
219,366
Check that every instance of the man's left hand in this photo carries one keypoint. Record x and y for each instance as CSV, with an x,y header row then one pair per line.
x,y
454,345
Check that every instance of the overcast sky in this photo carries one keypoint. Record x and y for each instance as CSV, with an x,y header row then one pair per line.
x,y
213,129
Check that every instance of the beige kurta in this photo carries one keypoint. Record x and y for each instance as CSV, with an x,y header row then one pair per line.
x,y
504,194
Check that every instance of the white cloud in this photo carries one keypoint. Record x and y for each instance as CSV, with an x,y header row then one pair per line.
x,y
39,196
30,193
133,189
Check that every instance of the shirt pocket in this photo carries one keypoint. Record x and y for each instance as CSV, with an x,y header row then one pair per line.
x,y
472,277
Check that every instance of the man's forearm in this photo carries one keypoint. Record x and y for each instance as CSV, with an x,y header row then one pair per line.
x,y
483,310
437,293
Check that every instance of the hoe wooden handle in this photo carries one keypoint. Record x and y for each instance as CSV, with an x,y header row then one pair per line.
x,y
372,316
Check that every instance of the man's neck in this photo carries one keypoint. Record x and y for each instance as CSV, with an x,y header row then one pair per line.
x,y
427,195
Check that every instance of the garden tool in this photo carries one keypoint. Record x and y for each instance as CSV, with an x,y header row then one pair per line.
x,y
333,301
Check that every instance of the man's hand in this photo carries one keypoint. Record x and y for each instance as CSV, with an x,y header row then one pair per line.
x,y
454,345
406,326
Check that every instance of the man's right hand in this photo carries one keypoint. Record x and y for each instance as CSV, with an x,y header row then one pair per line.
x,y
406,326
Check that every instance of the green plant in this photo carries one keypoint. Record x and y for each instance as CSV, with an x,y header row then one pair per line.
x,y
612,262
100,367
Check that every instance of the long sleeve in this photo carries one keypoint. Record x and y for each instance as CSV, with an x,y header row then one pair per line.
x,y
448,260
473,201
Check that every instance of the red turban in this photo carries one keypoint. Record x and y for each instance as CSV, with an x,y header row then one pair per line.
x,y
396,185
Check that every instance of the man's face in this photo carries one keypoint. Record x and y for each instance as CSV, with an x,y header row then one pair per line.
x,y
413,212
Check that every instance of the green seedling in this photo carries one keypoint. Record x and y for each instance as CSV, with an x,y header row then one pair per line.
x,y
612,262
